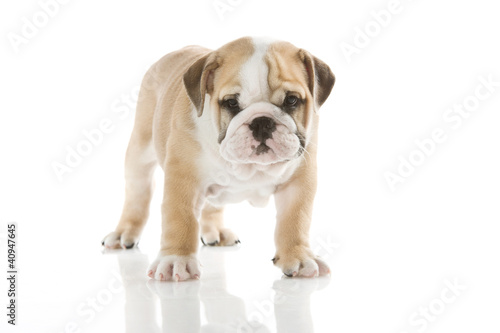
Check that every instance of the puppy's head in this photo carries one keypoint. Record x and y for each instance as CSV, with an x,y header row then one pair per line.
x,y
261,97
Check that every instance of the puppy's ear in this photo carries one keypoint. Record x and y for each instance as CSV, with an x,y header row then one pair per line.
x,y
199,80
320,76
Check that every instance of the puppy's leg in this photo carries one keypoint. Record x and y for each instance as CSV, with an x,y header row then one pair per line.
x,y
294,203
181,204
140,163
212,227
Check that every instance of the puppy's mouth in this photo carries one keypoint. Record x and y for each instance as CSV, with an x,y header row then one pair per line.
x,y
260,149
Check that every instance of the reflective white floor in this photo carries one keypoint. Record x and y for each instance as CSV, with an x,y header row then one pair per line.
x,y
110,291
378,290
208,305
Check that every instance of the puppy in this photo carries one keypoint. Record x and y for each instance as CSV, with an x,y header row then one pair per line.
x,y
238,123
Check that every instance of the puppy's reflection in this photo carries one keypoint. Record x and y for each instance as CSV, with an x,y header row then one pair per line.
x,y
224,312
292,304
140,307
180,305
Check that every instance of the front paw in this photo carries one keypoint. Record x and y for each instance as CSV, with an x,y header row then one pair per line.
x,y
174,267
125,240
300,261
213,236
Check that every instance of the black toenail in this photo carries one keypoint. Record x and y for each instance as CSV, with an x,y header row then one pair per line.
x,y
202,241
129,246
289,275
102,243
237,241
214,243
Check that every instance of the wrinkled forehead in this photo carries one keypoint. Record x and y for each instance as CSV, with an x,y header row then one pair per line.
x,y
260,69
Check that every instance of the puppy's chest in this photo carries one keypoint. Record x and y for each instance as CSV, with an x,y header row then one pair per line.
x,y
258,196
255,184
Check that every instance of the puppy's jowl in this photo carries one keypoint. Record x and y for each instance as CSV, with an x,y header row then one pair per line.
x,y
245,114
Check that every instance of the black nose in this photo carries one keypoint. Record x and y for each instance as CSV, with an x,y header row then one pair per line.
x,y
262,128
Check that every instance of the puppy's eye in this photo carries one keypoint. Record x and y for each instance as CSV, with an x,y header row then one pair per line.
x,y
290,101
231,105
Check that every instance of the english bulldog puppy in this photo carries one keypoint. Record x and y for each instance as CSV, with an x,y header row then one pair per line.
x,y
238,123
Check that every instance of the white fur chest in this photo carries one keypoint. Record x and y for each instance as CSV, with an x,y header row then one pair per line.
x,y
226,183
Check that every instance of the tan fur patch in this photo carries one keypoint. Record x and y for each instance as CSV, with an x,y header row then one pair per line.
x,y
226,78
288,74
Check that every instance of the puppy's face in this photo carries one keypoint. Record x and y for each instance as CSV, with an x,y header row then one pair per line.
x,y
261,96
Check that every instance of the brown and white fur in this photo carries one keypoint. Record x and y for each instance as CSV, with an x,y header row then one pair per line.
x,y
238,123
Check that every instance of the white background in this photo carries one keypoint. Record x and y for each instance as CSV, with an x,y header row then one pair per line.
x,y
390,251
